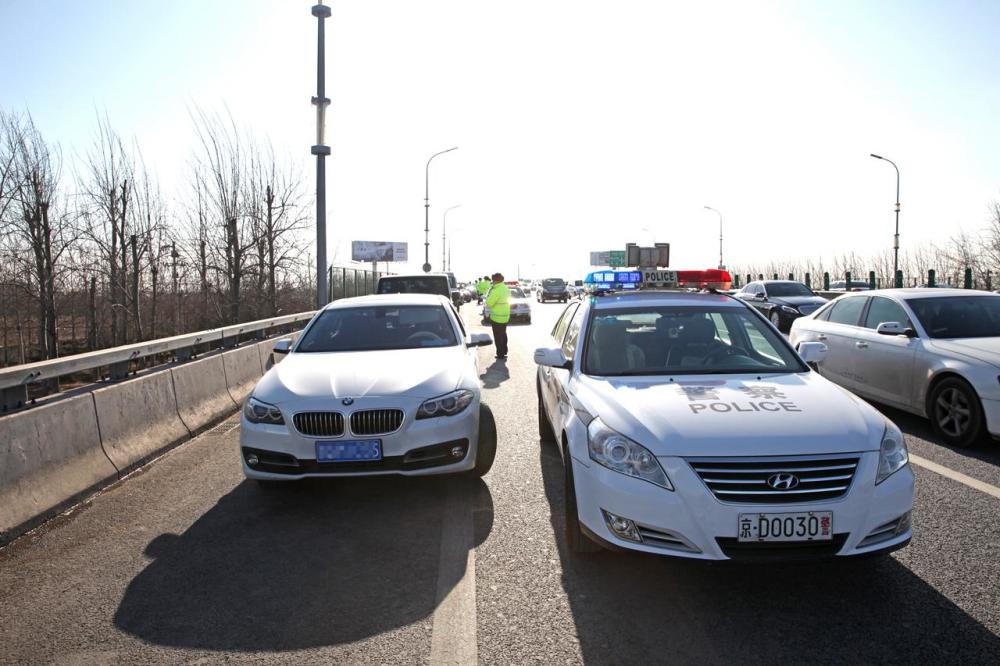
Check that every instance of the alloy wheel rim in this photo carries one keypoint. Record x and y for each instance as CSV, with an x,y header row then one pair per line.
x,y
953,412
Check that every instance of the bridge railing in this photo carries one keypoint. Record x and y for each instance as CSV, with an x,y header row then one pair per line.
x,y
15,380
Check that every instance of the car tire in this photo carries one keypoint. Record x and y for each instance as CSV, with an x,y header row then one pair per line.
x,y
486,451
949,399
775,319
545,432
576,541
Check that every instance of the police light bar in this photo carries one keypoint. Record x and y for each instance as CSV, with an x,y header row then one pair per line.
x,y
711,278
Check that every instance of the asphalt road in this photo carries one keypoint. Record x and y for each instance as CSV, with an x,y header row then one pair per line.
x,y
185,562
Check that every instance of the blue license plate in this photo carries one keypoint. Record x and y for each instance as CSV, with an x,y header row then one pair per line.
x,y
349,451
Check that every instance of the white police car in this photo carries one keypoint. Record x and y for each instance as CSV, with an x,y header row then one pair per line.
x,y
689,427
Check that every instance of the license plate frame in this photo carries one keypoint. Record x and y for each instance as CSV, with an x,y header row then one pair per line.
x,y
785,527
347,451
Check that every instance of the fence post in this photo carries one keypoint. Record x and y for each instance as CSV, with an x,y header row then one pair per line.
x,y
760,276
749,278
826,281
871,279
736,281
791,276
968,278
931,278
989,281
898,280
809,280
847,280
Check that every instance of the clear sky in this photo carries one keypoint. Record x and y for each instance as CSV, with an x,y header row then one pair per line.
x,y
581,125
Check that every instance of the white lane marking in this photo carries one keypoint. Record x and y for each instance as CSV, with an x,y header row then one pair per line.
x,y
453,637
976,484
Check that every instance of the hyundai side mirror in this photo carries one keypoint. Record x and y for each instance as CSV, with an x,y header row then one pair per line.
x,y
812,352
552,357
479,340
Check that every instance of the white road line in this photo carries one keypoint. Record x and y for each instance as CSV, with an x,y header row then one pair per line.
x,y
453,638
956,476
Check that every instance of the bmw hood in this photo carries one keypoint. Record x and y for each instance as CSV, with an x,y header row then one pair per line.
x,y
788,414
986,350
410,373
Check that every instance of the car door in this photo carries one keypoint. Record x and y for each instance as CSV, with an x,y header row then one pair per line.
x,y
560,377
547,375
839,333
883,369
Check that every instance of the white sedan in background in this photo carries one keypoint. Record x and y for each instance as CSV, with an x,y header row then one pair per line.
x,y
385,384
931,352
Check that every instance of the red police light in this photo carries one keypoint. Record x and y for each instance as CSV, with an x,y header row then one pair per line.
x,y
710,278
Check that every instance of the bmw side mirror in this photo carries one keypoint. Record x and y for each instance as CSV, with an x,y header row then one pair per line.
x,y
282,346
479,340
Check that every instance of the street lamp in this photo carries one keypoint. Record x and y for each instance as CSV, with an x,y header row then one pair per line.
x,y
722,266
444,228
427,209
896,277
320,150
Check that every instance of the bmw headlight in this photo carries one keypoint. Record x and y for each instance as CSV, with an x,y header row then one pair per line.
x,y
620,454
789,310
892,455
258,411
449,404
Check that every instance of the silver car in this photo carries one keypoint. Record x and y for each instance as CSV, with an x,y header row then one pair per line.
x,y
931,352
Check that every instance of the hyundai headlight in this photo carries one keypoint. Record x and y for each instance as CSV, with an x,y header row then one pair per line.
x,y
258,411
789,310
892,455
449,404
620,454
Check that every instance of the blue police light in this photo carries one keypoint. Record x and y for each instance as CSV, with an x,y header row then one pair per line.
x,y
613,280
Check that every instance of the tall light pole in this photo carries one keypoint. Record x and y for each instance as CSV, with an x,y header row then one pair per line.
x,y
321,150
444,229
896,277
427,209
721,264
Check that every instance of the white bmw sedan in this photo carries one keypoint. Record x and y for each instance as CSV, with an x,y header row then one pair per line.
x,y
931,352
384,384
689,427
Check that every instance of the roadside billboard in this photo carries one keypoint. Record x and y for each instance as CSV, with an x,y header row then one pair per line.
x,y
368,251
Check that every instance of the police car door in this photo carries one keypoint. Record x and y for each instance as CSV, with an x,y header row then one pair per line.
x,y
560,376
548,375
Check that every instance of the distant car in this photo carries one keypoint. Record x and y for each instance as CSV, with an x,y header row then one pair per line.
x,y
420,283
856,285
374,385
781,301
552,289
931,352
520,307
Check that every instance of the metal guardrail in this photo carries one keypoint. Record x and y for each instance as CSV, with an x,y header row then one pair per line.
x,y
15,380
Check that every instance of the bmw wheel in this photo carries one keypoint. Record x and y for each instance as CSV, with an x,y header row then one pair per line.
x,y
486,452
955,412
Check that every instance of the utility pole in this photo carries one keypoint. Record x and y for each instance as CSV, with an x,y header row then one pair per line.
x,y
321,150
722,265
897,279
427,209
444,236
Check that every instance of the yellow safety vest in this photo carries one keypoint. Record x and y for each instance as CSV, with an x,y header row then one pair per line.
x,y
482,287
498,301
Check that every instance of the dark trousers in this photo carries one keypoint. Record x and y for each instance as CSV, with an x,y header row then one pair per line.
x,y
500,337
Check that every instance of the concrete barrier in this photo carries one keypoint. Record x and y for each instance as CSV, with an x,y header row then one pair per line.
x,y
242,371
201,392
49,456
138,418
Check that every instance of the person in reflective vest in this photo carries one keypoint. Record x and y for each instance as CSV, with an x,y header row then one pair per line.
x,y
498,302
482,286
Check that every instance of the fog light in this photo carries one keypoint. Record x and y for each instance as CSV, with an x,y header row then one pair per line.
x,y
252,460
904,523
457,452
621,527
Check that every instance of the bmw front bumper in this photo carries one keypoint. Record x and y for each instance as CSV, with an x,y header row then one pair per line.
x,y
691,522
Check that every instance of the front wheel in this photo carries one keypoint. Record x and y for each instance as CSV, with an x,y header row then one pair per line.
x,y
486,452
545,432
775,319
955,412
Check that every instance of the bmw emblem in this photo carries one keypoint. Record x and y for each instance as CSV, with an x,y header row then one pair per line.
x,y
347,401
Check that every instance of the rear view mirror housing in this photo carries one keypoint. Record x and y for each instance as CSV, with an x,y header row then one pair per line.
x,y
552,357
812,352
282,346
479,340
895,328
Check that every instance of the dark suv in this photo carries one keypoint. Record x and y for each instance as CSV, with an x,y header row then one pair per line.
x,y
552,289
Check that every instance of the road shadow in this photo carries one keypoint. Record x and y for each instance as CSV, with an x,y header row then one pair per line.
x,y
316,563
495,375
637,608
986,450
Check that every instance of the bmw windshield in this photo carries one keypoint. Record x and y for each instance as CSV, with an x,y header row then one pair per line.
x,y
684,340
380,327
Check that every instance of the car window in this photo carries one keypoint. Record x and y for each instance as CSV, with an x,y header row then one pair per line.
x,y
560,329
882,310
431,284
824,314
783,289
720,328
572,334
379,327
847,311
958,316
458,318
